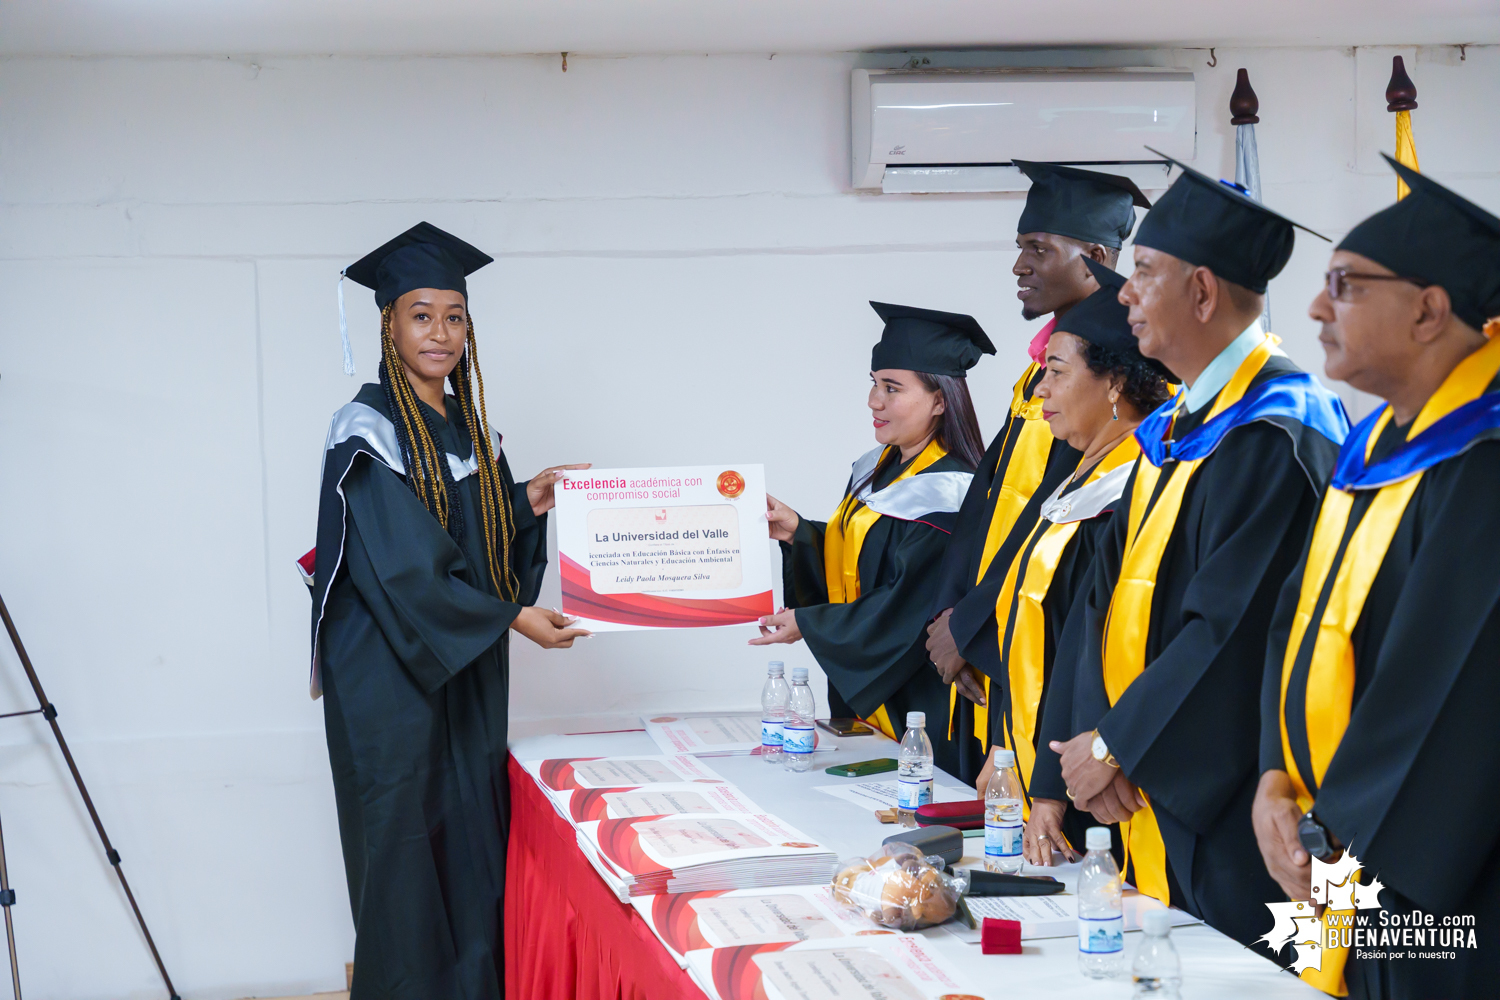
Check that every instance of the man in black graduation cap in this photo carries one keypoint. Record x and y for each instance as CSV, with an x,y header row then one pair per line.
x,y
428,555
1171,641
1382,680
1070,214
857,584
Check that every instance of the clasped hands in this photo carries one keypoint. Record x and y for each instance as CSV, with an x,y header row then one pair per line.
x,y
1097,787
942,650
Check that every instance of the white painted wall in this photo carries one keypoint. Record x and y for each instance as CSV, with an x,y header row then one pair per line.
x,y
681,276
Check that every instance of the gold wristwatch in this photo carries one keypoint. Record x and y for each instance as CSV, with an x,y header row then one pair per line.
x,y
1101,751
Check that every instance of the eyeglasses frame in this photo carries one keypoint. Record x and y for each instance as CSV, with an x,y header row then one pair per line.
x,y
1334,280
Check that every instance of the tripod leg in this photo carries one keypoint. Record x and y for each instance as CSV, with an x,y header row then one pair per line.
x,y
7,900
49,712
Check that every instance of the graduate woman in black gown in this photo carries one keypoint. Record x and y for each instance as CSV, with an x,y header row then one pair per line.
x,y
1095,389
428,555
858,586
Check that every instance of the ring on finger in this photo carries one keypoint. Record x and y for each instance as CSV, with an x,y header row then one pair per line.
x,y
1042,836
1070,795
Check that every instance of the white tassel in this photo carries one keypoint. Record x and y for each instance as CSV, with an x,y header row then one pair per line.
x,y
344,330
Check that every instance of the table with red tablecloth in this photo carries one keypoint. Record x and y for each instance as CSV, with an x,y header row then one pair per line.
x,y
566,935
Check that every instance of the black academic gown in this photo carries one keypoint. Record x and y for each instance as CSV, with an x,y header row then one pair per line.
x,y
1411,786
413,652
874,649
973,620
1187,730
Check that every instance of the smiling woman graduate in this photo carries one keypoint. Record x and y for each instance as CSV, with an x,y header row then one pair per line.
x,y
428,555
859,584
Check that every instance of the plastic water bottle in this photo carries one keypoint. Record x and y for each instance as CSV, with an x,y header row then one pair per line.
x,y
774,698
798,737
1157,972
1101,916
1002,815
914,771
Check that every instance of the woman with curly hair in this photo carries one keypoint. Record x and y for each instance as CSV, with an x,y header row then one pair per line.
x,y
1097,387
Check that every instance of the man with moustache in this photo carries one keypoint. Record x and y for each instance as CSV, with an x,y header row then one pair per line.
x,y
1169,646
1375,721
1070,214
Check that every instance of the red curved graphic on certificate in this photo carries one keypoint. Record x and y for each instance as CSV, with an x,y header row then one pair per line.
x,y
621,845
654,611
587,804
735,974
677,922
557,773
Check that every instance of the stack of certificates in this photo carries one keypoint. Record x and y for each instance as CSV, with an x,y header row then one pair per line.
x,y
582,788
688,921
658,824
699,852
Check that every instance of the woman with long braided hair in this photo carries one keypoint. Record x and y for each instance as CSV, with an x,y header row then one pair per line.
x,y
428,555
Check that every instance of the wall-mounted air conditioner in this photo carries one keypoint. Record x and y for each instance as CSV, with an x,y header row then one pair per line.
x,y
958,130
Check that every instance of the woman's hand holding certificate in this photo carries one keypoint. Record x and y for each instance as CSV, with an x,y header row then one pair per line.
x,y
541,491
780,627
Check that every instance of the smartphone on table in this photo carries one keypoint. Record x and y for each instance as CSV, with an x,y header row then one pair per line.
x,y
863,769
845,727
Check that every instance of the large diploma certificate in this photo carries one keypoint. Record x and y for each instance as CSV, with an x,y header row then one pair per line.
x,y
664,548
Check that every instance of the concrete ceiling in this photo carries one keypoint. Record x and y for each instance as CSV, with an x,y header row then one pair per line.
x,y
90,27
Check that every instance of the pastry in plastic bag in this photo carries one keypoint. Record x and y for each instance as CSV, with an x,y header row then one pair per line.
x,y
897,887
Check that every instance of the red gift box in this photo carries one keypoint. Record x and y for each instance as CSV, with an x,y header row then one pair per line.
x,y
1000,937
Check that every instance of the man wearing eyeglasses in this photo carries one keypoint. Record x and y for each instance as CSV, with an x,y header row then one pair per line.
x,y
1162,731
1382,680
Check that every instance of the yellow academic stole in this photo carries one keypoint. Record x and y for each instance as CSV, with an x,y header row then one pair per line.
x,y
1023,646
1129,620
1026,640
842,541
1329,694
1023,473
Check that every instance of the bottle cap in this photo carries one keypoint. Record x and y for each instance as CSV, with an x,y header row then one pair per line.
x,y
1157,923
1004,757
916,720
799,673
775,669
1097,839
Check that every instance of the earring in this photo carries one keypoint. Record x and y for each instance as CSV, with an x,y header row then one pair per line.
x,y
1115,407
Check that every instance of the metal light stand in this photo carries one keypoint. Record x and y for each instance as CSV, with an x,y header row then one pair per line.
x,y
48,711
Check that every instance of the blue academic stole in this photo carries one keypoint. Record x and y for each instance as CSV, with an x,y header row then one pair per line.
x,y
1296,395
1446,438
